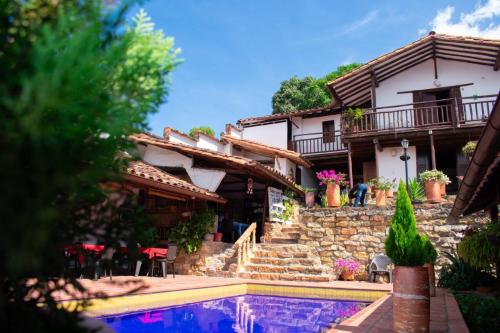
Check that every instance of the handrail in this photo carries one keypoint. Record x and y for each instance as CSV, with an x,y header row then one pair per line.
x,y
246,244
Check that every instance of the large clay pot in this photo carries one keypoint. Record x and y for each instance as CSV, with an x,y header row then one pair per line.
x,y
442,188
411,301
347,276
380,197
432,279
333,195
310,199
218,237
389,193
433,191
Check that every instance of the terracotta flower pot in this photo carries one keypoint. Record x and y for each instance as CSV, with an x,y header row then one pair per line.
x,y
333,195
433,191
208,237
432,279
218,237
411,301
389,193
442,187
380,197
310,199
347,276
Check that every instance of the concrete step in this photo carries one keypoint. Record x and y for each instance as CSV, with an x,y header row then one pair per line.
x,y
285,261
263,268
284,277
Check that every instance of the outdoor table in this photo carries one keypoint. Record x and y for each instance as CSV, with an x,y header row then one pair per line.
x,y
151,252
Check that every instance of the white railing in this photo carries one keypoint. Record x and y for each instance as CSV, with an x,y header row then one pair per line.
x,y
245,245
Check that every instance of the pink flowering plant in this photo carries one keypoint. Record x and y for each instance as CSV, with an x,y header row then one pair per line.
x,y
330,176
346,265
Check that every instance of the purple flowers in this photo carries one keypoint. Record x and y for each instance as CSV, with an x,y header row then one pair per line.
x,y
346,265
329,176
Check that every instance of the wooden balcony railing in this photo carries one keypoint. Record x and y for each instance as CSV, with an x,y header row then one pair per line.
x,y
245,245
315,143
447,113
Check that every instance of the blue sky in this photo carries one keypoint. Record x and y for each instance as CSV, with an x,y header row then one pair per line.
x,y
236,53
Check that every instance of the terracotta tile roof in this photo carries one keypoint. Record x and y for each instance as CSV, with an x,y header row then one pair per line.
x,y
167,182
354,88
282,116
251,166
260,148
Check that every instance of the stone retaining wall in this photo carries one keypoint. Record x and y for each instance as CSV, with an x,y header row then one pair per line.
x,y
360,233
198,263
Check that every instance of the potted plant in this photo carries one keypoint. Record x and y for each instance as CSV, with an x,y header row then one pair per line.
x,y
333,182
346,268
380,187
469,148
389,193
310,196
352,117
442,184
432,182
409,251
431,260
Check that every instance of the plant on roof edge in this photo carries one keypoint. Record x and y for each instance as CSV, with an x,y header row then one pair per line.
x,y
201,129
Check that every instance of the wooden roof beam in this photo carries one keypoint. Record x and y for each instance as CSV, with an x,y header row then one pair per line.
x,y
497,61
335,95
374,77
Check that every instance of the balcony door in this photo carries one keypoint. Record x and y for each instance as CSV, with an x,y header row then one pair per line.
x,y
434,106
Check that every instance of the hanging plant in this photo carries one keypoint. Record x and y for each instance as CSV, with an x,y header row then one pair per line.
x,y
469,148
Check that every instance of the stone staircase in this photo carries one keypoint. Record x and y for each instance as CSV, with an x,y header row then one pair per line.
x,y
223,264
280,257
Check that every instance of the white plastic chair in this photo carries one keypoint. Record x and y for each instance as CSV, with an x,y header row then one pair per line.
x,y
379,264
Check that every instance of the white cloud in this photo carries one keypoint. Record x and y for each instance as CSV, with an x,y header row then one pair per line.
x,y
359,23
483,21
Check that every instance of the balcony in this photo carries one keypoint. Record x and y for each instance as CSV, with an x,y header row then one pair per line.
x,y
440,114
318,143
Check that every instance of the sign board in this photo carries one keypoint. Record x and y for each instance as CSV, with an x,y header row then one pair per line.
x,y
275,199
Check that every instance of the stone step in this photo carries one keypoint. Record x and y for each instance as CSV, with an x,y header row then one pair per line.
x,y
285,261
284,240
283,247
284,277
293,230
262,268
279,254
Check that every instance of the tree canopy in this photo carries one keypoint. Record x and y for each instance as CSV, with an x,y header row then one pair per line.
x,y
306,93
76,82
203,129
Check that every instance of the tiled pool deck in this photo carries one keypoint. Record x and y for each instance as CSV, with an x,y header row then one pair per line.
x,y
445,314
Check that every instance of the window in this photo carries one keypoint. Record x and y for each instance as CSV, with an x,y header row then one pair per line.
x,y
328,131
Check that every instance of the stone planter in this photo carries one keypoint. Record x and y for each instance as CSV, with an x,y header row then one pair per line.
x,y
333,195
347,276
432,279
411,301
310,199
433,191
208,237
380,198
442,188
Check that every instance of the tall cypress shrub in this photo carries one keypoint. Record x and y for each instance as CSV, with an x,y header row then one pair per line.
x,y
404,245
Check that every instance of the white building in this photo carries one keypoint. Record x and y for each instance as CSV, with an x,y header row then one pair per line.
x,y
437,92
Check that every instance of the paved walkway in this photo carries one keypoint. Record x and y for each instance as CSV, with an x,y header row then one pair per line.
x,y
445,314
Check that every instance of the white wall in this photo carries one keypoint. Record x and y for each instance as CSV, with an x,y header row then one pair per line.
x,y
163,157
313,125
271,134
209,143
177,138
284,165
390,166
450,73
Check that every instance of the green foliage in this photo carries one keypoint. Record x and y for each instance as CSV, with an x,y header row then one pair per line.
x,y
416,188
433,175
344,199
309,189
324,201
203,129
404,245
469,148
480,312
306,93
381,183
354,113
457,274
76,82
189,235
477,251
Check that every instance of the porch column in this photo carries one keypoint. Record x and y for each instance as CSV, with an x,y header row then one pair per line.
x,y
349,161
433,151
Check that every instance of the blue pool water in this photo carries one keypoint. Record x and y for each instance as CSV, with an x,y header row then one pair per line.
x,y
248,313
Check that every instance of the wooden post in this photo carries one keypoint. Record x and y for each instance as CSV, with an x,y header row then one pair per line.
x,y
433,151
349,161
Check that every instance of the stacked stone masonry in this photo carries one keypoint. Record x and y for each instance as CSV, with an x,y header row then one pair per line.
x,y
360,233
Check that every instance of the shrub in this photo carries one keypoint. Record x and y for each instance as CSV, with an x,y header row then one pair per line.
x,y
354,113
469,148
189,235
458,275
480,312
416,188
404,245
477,251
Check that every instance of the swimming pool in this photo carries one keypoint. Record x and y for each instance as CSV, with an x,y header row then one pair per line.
x,y
247,313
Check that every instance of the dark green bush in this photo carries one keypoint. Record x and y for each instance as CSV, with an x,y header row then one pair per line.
x,y
481,313
458,275
189,235
404,245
